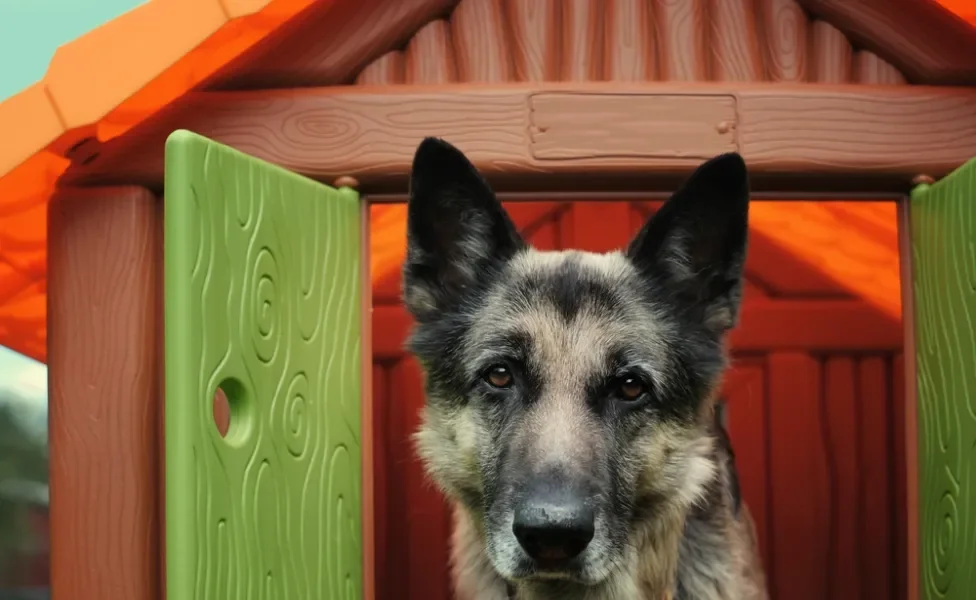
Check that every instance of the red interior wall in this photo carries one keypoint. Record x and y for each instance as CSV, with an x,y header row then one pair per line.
x,y
818,433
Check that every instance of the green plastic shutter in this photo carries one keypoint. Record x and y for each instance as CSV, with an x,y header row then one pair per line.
x,y
263,299
943,230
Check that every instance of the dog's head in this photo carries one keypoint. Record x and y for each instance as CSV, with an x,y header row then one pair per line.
x,y
566,391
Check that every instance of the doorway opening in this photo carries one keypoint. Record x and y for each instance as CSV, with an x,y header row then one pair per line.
x,y
814,399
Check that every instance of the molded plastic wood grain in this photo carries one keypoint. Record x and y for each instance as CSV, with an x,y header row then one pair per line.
x,y
943,218
542,134
263,299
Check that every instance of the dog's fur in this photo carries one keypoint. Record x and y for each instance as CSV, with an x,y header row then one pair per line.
x,y
657,471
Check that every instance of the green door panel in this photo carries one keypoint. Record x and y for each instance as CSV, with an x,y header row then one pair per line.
x,y
943,230
262,299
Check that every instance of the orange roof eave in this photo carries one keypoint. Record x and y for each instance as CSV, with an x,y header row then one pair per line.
x,y
157,51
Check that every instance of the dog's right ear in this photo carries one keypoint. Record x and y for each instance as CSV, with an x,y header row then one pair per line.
x,y
457,230
695,246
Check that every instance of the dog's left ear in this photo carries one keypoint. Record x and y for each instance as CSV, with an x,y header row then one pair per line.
x,y
695,245
458,234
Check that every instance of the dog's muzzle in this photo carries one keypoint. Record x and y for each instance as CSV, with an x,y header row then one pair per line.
x,y
554,521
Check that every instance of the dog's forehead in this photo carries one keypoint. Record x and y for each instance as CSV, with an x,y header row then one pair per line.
x,y
573,281
613,267
575,309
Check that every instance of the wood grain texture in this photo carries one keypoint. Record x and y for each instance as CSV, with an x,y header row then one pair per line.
x,y
912,512
841,427
262,284
938,126
631,126
629,51
391,446
734,41
784,29
871,69
943,227
922,40
679,26
582,40
535,38
831,55
745,394
925,41
367,418
877,493
385,70
160,332
840,134
429,58
481,43
330,43
801,476
899,454
384,494
105,406
426,519
641,40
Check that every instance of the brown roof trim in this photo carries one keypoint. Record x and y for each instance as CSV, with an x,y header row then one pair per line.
x,y
926,41
836,137
358,31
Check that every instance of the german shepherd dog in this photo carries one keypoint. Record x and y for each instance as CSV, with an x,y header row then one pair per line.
x,y
570,413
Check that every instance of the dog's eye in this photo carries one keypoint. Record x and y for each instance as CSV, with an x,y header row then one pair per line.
x,y
631,387
499,376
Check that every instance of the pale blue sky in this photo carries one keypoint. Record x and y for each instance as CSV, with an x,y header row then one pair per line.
x,y
31,30
27,379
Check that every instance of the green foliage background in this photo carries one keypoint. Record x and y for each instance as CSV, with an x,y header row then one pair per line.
x,y
23,458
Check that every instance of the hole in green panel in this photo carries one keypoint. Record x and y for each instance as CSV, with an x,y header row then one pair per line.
x,y
232,411
221,412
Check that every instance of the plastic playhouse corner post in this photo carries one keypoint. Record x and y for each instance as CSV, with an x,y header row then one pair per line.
x,y
262,300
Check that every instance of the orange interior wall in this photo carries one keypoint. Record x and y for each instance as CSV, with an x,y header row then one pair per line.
x,y
854,243
964,8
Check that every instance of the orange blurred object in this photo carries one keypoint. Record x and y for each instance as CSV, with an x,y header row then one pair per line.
x,y
75,101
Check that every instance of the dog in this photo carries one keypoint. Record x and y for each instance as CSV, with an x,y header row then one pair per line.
x,y
570,396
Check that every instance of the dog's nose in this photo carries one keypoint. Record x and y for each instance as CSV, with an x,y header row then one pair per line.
x,y
554,531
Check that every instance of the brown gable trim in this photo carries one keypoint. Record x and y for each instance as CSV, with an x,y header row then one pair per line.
x,y
484,41
840,137
927,42
331,44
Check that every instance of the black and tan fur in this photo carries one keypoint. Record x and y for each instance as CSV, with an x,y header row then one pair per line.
x,y
570,395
